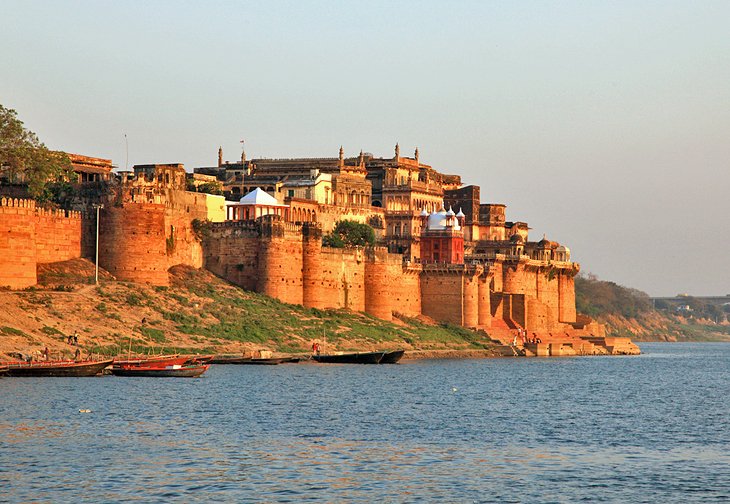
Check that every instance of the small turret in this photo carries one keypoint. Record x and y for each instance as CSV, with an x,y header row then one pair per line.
x,y
461,218
397,152
220,157
415,154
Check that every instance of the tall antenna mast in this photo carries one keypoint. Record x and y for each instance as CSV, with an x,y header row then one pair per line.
x,y
126,143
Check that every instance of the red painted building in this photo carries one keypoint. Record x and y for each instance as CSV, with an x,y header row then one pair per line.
x,y
442,238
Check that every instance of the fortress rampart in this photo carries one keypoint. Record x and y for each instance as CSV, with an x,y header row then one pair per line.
x,y
287,261
502,283
146,225
30,235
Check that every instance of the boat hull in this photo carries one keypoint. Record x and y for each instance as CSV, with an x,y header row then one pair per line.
x,y
229,359
170,360
63,368
264,362
151,372
392,357
350,358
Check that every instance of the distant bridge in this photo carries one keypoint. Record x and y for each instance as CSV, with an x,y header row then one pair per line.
x,y
684,298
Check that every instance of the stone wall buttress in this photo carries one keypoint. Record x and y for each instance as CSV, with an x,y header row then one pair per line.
x,y
312,283
378,295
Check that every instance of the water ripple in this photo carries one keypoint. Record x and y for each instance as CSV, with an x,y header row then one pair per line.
x,y
647,429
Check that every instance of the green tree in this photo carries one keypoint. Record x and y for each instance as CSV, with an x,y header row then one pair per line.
x,y
25,159
349,233
596,297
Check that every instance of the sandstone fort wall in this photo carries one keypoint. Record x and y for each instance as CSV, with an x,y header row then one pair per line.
x,y
31,235
132,242
17,243
441,296
58,235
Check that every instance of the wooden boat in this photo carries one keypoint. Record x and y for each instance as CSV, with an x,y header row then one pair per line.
x,y
165,360
350,358
173,371
157,360
392,357
199,359
57,368
271,361
3,369
229,359
292,360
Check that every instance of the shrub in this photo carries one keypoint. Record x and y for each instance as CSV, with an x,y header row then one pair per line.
x,y
349,233
596,297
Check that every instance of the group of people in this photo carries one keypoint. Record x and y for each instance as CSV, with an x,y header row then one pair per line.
x,y
73,339
525,338
316,348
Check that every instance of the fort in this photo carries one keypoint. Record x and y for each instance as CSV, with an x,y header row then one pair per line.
x,y
440,252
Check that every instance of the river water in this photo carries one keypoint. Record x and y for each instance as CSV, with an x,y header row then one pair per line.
x,y
649,428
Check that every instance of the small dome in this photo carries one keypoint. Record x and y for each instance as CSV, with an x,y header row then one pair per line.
x,y
562,248
437,221
450,213
424,213
460,214
259,197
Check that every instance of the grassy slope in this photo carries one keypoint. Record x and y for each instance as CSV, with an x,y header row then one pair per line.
x,y
629,312
198,312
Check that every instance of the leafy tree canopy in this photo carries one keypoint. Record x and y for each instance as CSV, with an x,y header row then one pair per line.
x,y
349,233
206,187
24,158
596,297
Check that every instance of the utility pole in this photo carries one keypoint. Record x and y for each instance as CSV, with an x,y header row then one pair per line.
x,y
96,276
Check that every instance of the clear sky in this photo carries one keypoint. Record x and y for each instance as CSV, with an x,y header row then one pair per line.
x,y
605,125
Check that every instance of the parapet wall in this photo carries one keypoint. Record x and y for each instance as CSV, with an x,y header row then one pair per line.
x,y
31,235
58,235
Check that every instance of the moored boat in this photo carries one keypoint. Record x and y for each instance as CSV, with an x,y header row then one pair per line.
x,y
3,370
173,371
199,359
155,360
58,368
271,361
350,358
392,357
164,360
229,359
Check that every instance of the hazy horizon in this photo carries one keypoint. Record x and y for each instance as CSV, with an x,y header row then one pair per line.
x,y
603,125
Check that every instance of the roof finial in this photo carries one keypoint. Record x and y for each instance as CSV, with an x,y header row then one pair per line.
x,y
220,157
397,151
416,154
